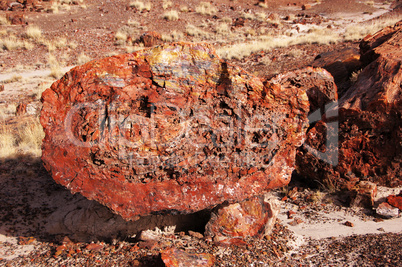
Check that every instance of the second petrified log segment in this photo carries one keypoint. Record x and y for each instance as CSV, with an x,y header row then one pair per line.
x,y
170,129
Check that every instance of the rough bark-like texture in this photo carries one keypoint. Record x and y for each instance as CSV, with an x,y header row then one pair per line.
x,y
177,258
317,82
254,217
170,129
370,123
341,64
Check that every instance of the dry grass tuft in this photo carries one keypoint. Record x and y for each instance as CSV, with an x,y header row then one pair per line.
x,y
4,21
140,6
205,8
34,32
11,43
25,138
55,67
166,4
196,32
358,31
171,15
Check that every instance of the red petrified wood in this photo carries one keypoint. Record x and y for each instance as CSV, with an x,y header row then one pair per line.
x,y
170,129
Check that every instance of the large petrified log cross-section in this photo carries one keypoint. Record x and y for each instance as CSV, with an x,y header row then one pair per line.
x,y
171,128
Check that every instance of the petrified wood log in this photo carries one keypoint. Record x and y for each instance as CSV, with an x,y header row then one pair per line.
x,y
170,129
368,130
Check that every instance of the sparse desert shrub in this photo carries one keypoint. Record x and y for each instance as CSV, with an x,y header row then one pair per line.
x,y
195,31
7,143
121,37
370,3
166,4
222,28
357,31
11,43
261,16
140,6
55,67
184,9
25,138
205,8
173,37
34,32
171,15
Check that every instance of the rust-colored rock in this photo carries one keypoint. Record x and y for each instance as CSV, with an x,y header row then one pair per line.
x,y
150,39
229,225
21,109
395,201
387,211
317,82
16,18
363,194
170,129
174,257
363,141
341,64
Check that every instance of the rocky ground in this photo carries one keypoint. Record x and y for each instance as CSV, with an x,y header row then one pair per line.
x,y
35,211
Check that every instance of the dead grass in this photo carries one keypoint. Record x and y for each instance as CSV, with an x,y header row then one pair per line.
x,y
205,8
166,4
55,67
10,43
141,6
171,15
23,138
4,21
358,31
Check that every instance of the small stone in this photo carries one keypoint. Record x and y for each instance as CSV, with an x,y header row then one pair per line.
x,y
306,6
350,224
151,38
149,235
363,194
173,257
290,214
21,109
387,211
94,246
1,87
395,201
296,221
254,217
196,234
378,220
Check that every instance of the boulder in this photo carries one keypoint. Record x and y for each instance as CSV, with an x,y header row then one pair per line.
x,y
230,224
170,129
360,139
151,38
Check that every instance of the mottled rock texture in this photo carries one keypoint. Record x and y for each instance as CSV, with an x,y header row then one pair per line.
x,y
255,217
177,258
170,129
367,125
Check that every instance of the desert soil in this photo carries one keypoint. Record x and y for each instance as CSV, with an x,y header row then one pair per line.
x,y
34,208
